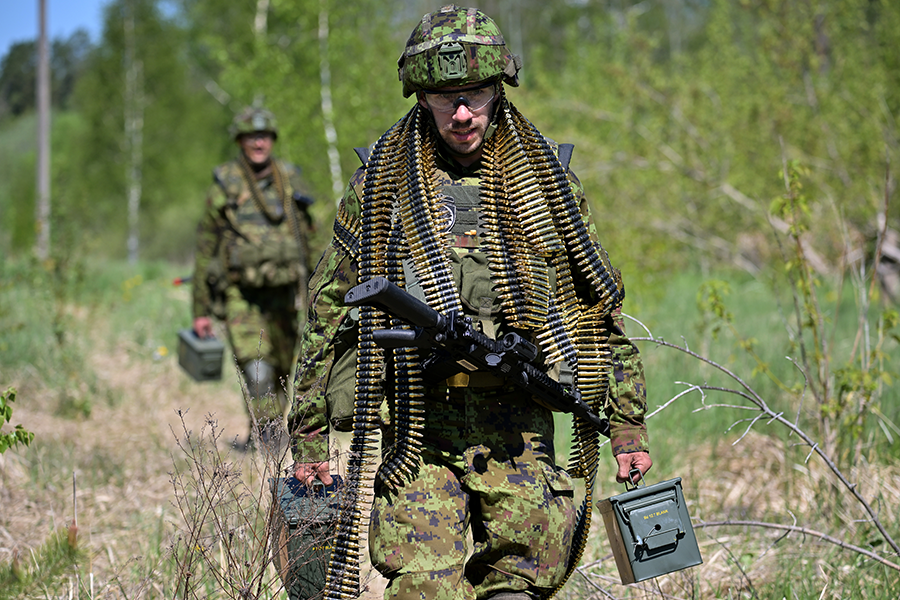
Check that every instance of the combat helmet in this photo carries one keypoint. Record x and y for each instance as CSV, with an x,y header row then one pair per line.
x,y
455,46
253,119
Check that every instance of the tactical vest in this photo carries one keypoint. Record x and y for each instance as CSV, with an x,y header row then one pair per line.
x,y
262,247
461,224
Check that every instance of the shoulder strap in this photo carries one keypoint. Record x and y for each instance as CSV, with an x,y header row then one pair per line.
x,y
565,154
363,154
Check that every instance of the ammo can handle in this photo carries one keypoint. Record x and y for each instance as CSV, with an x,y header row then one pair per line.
x,y
635,472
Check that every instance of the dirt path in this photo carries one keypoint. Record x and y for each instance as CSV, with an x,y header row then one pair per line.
x,y
114,468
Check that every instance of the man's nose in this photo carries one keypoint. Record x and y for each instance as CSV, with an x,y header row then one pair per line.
x,y
462,113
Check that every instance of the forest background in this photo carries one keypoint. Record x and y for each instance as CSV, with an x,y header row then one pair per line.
x,y
740,156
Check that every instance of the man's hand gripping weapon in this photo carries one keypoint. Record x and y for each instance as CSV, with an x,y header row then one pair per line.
x,y
457,347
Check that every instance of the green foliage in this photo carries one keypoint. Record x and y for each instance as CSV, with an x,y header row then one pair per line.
x,y
49,567
829,354
52,315
676,109
18,73
673,145
19,435
178,142
847,386
17,183
711,301
37,321
755,338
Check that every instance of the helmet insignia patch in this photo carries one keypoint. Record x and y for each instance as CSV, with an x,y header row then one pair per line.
x,y
452,61
259,122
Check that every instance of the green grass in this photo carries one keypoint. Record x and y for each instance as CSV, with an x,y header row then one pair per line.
x,y
49,567
760,316
49,316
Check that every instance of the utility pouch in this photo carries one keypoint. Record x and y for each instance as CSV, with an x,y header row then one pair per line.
x,y
217,283
650,531
305,522
340,388
271,262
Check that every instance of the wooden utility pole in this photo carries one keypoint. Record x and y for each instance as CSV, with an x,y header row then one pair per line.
x,y
134,132
42,206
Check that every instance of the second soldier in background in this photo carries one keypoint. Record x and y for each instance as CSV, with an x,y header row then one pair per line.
x,y
252,263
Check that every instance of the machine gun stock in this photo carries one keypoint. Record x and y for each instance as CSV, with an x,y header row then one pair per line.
x,y
512,357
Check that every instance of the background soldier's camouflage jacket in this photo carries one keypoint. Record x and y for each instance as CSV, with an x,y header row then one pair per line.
x,y
329,320
240,243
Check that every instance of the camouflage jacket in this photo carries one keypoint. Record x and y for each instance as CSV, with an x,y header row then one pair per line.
x,y
324,338
240,243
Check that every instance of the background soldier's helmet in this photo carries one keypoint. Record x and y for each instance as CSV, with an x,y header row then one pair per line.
x,y
455,46
253,119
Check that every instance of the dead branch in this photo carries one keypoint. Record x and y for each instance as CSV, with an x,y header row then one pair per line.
x,y
803,531
752,396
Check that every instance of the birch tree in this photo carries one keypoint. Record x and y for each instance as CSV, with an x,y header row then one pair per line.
x,y
134,132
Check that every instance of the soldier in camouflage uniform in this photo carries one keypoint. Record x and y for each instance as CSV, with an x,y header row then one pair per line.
x,y
445,198
252,261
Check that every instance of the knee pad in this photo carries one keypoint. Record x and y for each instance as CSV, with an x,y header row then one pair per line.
x,y
260,378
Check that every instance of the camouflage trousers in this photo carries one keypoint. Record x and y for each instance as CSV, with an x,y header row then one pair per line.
x,y
487,465
261,324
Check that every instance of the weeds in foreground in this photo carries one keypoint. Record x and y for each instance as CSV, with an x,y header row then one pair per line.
x,y
237,540
229,523
52,565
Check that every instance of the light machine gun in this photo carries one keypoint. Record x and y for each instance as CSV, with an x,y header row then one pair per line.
x,y
458,347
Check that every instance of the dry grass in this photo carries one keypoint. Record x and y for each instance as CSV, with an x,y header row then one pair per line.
x,y
758,480
124,453
123,458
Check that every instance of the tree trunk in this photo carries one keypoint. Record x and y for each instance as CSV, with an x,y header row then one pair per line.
x,y
334,158
260,23
42,206
134,135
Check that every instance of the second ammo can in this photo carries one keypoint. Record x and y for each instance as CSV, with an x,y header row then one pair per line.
x,y
650,531
306,519
201,358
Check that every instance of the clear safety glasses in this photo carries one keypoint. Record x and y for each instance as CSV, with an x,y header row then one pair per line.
x,y
474,98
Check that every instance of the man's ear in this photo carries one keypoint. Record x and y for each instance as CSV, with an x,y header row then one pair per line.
x,y
420,97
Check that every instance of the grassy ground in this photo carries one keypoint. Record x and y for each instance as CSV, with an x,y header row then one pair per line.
x,y
139,455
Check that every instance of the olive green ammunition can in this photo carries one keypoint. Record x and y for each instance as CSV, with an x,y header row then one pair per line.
x,y
650,531
201,358
305,519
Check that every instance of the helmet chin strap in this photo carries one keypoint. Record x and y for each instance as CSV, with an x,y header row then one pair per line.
x,y
492,126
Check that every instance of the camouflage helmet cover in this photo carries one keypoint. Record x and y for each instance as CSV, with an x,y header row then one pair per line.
x,y
253,119
455,46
